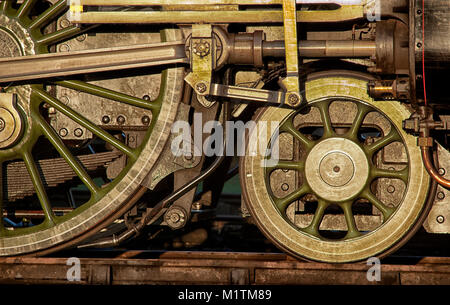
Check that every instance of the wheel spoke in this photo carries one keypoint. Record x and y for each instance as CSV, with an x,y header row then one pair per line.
x,y
324,108
288,165
314,226
54,139
392,137
49,14
385,210
283,203
70,113
59,35
38,186
363,111
25,8
392,174
289,128
108,94
352,230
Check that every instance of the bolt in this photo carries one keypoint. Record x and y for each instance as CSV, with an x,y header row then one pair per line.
x,y
201,87
81,38
419,12
63,132
106,119
440,195
64,48
293,99
146,97
336,169
442,171
285,187
145,120
64,23
78,132
419,45
51,110
440,219
391,189
120,120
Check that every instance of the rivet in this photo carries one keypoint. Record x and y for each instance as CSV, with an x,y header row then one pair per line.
x,y
440,219
106,119
201,87
78,132
145,120
63,132
120,120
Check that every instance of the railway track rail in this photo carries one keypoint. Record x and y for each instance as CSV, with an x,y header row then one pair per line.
x,y
220,268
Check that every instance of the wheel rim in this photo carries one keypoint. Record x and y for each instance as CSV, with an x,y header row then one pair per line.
x,y
338,170
105,199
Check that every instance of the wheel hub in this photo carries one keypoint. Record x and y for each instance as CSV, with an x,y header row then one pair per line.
x,y
10,121
337,169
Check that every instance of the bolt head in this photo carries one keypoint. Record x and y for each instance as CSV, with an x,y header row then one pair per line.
x,y
106,119
145,120
63,132
81,38
440,219
201,87
78,132
293,99
391,189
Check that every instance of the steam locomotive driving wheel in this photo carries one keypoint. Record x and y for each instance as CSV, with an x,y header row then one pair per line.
x,y
347,182
94,159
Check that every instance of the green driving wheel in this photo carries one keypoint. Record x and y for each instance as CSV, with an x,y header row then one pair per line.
x,y
336,192
26,133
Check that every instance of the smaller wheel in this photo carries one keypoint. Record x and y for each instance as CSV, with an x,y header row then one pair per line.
x,y
330,205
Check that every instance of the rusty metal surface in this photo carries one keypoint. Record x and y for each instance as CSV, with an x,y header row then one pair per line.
x,y
218,268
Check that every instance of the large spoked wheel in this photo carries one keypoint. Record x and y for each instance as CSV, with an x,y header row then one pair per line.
x,y
349,183
28,141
